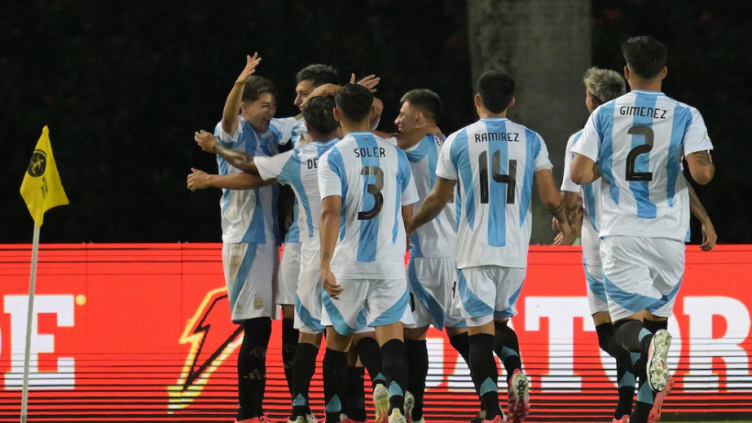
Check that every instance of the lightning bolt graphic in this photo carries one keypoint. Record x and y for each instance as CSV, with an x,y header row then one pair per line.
x,y
204,357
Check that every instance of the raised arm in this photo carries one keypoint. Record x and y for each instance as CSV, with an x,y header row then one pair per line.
x,y
230,112
709,236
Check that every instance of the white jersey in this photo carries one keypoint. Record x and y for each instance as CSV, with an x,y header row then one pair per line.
x,y
436,238
374,180
639,141
298,169
494,161
590,203
298,133
250,215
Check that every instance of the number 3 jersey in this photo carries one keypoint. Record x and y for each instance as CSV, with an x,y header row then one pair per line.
x,y
493,161
638,141
374,179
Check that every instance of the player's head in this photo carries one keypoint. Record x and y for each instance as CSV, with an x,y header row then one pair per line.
x,y
354,103
646,59
420,108
602,86
494,93
319,117
259,102
313,76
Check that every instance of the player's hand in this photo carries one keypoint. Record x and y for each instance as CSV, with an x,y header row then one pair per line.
x,y
568,235
206,140
330,284
250,68
322,91
554,224
198,180
709,237
370,82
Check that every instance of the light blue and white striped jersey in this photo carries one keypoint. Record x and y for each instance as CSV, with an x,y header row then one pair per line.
x,y
436,238
250,215
639,141
374,180
298,168
298,133
494,161
591,206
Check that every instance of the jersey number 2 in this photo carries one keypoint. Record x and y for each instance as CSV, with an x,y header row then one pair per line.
x,y
510,179
375,190
640,149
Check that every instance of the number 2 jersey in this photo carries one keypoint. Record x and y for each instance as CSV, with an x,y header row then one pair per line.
x,y
374,179
638,141
493,161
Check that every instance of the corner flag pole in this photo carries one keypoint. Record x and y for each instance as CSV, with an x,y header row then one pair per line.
x,y
29,322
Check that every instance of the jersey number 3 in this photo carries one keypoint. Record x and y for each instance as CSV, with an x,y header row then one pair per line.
x,y
375,190
510,179
637,151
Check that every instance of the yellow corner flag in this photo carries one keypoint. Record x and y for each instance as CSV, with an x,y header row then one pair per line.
x,y
41,187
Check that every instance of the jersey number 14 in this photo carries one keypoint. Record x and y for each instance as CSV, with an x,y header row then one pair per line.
x,y
510,179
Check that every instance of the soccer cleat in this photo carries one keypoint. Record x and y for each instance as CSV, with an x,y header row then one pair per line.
x,y
299,419
623,419
409,405
655,412
381,403
480,417
519,397
310,418
657,368
396,417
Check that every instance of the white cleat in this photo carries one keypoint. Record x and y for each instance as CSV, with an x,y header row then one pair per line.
x,y
396,417
310,418
657,368
409,405
381,403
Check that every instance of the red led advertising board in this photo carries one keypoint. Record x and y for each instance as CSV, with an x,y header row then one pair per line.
x,y
142,332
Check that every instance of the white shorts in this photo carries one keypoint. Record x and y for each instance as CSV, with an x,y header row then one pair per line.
x,y
591,261
366,302
289,271
432,284
308,303
407,320
489,292
250,271
641,274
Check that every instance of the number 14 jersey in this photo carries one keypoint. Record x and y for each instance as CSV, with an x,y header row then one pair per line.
x,y
374,179
638,141
493,161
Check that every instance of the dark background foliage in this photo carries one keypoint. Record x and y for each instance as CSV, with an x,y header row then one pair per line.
x,y
123,86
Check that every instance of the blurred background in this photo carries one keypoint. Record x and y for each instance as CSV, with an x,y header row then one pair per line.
x,y
124,86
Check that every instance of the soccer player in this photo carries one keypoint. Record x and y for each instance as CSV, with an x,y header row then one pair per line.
x,y
249,228
366,186
307,80
637,143
602,86
297,168
495,162
432,269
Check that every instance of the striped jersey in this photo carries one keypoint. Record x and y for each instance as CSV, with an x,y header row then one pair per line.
x,y
436,238
494,161
298,133
639,141
374,179
298,168
251,215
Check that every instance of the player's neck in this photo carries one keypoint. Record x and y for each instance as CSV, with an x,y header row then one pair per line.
x,y
347,127
642,85
316,137
486,114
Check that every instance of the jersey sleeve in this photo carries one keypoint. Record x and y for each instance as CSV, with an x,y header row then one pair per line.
x,y
409,191
226,137
331,173
282,129
541,157
566,181
590,142
273,167
445,167
696,136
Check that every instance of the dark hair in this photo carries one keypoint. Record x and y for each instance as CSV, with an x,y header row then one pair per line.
x,y
604,85
318,75
354,102
645,56
319,114
427,101
496,90
256,86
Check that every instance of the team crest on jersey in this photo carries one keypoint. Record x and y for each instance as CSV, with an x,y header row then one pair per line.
x,y
258,302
